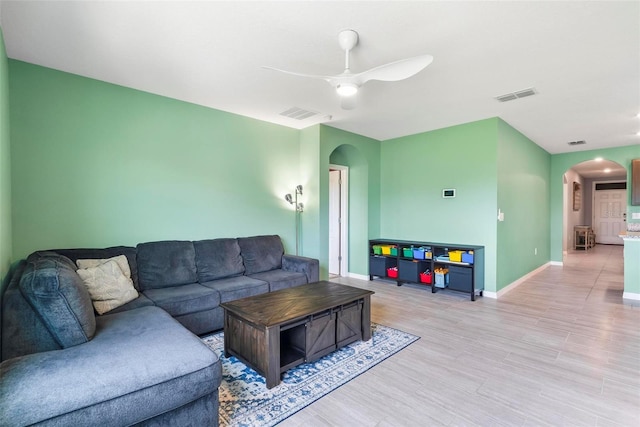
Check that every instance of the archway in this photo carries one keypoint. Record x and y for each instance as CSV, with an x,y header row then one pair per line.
x,y
594,201
352,216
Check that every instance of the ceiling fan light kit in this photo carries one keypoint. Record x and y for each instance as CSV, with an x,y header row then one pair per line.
x,y
346,89
347,83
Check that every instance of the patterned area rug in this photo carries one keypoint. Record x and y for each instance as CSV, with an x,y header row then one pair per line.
x,y
246,401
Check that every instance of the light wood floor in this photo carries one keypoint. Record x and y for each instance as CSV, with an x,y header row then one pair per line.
x,y
562,348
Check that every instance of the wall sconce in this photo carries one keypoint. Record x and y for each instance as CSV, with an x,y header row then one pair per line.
x,y
293,200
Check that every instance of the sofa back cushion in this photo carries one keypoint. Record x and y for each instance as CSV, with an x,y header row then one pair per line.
x,y
261,253
218,258
128,251
57,294
167,263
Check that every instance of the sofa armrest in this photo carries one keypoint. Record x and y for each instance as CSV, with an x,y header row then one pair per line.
x,y
309,266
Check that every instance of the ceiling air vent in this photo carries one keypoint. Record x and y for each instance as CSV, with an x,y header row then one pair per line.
x,y
577,142
507,97
515,95
298,113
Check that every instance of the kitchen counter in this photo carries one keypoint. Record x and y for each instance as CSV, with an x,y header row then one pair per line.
x,y
631,264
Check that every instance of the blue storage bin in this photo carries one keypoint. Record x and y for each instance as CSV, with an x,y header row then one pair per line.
x,y
467,257
418,253
442,280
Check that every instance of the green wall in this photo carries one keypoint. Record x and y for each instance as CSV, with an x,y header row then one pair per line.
x,y
94,164
523,196
416,168
321,146
310,180
5,166
560,163
362,156
492,166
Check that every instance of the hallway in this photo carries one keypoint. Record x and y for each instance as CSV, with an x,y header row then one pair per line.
x,y
589,277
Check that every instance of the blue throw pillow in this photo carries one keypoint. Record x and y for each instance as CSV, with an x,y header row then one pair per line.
x,y
55,291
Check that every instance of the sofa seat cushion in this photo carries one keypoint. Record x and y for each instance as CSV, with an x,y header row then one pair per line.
x,y
141,301
218,258
140,364
280,279
165,264
234,288
184,299
261,253
57,294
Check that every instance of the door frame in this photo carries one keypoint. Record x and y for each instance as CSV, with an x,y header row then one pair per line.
x,y
344,215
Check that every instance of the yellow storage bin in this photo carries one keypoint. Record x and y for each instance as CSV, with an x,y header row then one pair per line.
x,y
455,256
386,249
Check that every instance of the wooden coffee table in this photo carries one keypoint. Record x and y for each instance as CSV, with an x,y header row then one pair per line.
x,y
278,330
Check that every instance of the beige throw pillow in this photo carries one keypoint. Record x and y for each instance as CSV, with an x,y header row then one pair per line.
x,y
122,261
108,285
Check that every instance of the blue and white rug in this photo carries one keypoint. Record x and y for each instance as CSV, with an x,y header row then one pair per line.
x,y
246,401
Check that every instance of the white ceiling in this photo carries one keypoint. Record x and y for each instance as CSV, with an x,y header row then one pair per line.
x,y
600,169
582,57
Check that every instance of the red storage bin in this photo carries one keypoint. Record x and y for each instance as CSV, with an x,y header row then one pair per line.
x,y
426,278
392,272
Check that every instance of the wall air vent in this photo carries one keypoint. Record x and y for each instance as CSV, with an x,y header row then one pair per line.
x,y
298,113
516,95
582,142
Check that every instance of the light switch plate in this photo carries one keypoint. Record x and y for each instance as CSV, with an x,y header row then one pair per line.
x,y
635,215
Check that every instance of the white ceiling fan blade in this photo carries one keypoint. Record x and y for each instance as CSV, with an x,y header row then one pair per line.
x,y
395,71
348,102
312,76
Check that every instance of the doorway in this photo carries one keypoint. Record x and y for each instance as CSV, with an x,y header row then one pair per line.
x,y
338,209
609,212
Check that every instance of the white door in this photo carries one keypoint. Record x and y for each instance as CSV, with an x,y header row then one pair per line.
x,y
610,207
334,222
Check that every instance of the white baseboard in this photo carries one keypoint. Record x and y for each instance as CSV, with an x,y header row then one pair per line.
x,y
560,263
487,294
631,295
358,276
516,283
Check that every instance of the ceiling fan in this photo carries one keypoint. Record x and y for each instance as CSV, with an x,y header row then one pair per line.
x,y
347,83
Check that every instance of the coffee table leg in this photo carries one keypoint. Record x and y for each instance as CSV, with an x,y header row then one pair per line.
x,y
366,319
272,340
227,335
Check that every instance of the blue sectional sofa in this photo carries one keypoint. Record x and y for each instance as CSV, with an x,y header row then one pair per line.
x,y
142,362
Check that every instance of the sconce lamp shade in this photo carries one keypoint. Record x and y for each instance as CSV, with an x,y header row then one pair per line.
x,y
293,200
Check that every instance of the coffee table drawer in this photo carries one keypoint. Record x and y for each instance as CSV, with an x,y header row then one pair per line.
x,y
310,339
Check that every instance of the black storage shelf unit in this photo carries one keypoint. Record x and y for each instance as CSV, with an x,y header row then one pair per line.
x,y
463,276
